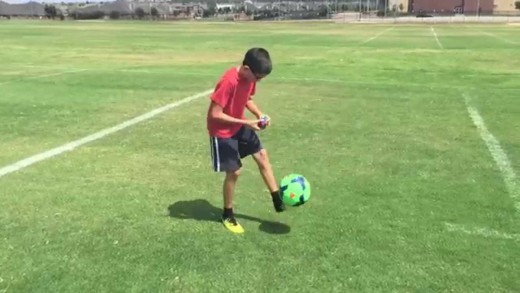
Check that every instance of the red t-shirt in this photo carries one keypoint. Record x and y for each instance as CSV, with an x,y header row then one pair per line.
x,y
232,95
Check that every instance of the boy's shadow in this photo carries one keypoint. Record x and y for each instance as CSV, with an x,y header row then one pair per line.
x,y
202,210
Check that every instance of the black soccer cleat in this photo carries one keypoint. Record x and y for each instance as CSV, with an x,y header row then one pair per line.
x,y
278,204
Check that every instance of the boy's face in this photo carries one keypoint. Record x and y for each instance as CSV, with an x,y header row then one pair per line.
x,y
251,76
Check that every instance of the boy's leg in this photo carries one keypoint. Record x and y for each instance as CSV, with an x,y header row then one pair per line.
x,y
228,190
225,158
264,166
249,144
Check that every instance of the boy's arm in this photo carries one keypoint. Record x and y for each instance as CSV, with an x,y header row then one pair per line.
x,y
253,108
216,112
219,99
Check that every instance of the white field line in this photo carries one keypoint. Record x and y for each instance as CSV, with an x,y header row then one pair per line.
x,y
378,35
44,75
436,37
331,80
489,233
493,35
498,37
497,153
98,135
310,79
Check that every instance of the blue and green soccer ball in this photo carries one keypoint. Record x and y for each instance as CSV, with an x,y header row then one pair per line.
x,y
295,190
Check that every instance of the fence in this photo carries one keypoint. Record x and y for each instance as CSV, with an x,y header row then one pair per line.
x,y
469,17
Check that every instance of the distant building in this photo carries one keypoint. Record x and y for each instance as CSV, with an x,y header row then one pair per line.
x,y
225,6
395,4
504,6
451,6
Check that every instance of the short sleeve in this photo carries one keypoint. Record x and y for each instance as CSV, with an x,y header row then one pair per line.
x,y
222,93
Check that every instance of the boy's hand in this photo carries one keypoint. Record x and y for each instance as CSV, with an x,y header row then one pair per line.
x,y
264,121
253,124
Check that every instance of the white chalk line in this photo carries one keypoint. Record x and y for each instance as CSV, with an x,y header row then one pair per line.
x,y
331,80
436,37
498,37
492,35
378,35
498,154
480,231
98,135
311,79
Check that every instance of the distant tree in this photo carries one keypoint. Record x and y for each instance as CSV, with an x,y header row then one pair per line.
x,y
211,11
323,10
98,14
242,8
50,11
114,14
517,5
154,12
401,7
139,12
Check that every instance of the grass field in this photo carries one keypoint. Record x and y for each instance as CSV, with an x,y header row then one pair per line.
x,y
406,195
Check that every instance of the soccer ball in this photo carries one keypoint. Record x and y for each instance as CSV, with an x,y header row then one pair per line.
x,y
295,190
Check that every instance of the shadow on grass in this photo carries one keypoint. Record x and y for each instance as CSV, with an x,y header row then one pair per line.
x,y
202,210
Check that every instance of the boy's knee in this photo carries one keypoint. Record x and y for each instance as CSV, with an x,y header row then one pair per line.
x,y
262,154
233,175
262,158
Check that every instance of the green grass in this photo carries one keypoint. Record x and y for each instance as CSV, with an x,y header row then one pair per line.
x,y
379,128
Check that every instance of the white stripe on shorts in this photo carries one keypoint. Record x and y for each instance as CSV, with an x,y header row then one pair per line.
x,y
215,157
212,153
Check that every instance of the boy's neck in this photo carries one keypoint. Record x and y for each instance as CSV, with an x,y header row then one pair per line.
x,y
240,72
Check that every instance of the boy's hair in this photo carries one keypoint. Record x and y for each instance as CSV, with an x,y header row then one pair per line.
x,y
258,60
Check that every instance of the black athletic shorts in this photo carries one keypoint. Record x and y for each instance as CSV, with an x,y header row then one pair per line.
x,y
227,152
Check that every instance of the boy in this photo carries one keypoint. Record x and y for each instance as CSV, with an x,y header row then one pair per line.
x,y
232,136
